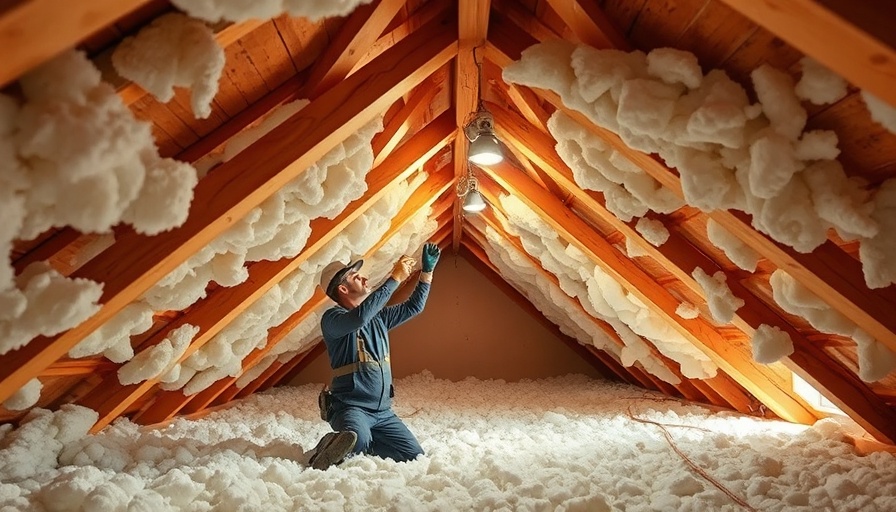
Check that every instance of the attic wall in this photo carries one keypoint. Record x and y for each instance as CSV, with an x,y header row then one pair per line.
x,y
470,329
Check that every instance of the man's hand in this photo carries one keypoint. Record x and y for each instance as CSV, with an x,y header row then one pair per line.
x,y
430,256
403,268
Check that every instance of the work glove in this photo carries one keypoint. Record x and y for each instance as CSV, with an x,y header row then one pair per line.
x,y
403,268
430,256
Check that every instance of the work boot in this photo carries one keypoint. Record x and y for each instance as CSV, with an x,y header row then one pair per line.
x,y
332,449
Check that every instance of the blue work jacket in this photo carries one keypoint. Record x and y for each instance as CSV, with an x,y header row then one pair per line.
x,y
358,345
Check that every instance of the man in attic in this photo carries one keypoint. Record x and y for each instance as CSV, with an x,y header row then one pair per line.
x,y
355,330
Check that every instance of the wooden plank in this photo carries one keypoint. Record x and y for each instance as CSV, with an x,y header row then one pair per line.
x,y
662,22
242,73
226,34
760,47
768,383
269,56
527,103
623,13
868,149
715,34
710,393
214,142
229,193
854,39
85,366
589,24
39,30
168,130
362,28
304,39
181,106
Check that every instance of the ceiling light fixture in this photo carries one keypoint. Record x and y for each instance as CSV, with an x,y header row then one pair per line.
x,y
484,148
468,188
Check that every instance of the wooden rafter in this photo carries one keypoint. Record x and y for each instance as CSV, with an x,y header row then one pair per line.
x,y
770,384
37,31
477,258
362,28
490,219
644,379
679,257
167,404
431,10
393,133
828,272
589,24
731,391
229,193
855,39
217,310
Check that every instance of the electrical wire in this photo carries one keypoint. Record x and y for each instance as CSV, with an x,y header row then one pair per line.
x,y
694,467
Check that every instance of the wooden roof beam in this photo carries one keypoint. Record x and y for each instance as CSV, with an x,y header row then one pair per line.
x,y
828,272
679,257
855,39
642,379
743,402
169,403
213,313
429,11
362,28
491,220
39,30
472,30
229,193
767,383
387,140
589,24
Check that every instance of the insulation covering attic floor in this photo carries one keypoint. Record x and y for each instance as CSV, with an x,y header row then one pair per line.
x,y
618,212
568,443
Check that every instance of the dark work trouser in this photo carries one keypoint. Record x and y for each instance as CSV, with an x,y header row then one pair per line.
x,y
379,433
